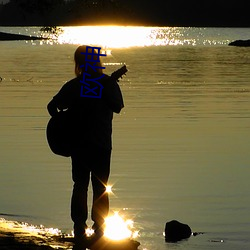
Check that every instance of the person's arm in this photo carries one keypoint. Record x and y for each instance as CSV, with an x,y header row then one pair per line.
x,y
52,108
114,97
60,101
118,99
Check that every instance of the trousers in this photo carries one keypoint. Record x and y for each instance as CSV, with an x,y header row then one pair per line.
x,y
89,163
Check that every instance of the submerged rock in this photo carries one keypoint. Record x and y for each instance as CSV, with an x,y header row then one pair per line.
x,y
240,43
176,231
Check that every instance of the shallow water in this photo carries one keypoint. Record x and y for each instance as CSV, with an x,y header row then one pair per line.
x,y
180,145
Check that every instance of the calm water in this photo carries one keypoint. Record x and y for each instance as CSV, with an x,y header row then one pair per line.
x,y
180,146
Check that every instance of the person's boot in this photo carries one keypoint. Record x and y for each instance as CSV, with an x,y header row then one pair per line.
x,y
99,231
80,237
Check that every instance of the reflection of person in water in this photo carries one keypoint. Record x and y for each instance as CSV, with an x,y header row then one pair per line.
x,y
91,150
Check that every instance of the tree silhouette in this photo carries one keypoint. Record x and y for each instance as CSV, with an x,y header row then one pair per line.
x,y
41,7
65,12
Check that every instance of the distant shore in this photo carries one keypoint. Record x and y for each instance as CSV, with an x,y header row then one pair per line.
x,y
15,37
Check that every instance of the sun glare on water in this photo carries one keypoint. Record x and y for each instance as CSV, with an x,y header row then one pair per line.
x,y
111,37
117,228
109,189
106,36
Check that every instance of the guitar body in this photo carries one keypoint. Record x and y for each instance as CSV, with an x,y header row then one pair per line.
x,y
60,128
58,133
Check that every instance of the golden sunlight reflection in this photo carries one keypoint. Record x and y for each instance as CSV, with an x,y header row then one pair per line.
x,y
116,228
106,36
109,189
109,37
121,36
89,232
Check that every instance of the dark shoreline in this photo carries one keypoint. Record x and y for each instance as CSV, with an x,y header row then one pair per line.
x,y
17,37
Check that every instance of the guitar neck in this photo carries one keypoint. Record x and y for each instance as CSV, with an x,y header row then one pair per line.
x,y
119,73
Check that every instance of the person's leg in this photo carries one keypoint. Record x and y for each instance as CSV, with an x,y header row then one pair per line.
x,y
99,178
79,207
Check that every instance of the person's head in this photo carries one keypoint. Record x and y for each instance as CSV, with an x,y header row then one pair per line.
x,y
80,61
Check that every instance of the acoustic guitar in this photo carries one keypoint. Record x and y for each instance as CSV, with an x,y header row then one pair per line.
x,y
59,126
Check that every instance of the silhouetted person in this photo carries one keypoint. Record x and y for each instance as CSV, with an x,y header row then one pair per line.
x,y
91,147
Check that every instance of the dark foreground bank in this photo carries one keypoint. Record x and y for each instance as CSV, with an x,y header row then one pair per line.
x,y
18,236
9,241
15,235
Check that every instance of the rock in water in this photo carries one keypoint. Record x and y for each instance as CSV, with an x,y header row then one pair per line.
x,y
240,43
175,231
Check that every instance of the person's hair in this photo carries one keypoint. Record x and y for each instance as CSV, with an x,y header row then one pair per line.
x,y
80,61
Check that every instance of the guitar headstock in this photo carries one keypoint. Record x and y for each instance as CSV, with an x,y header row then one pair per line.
x,y
119,73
